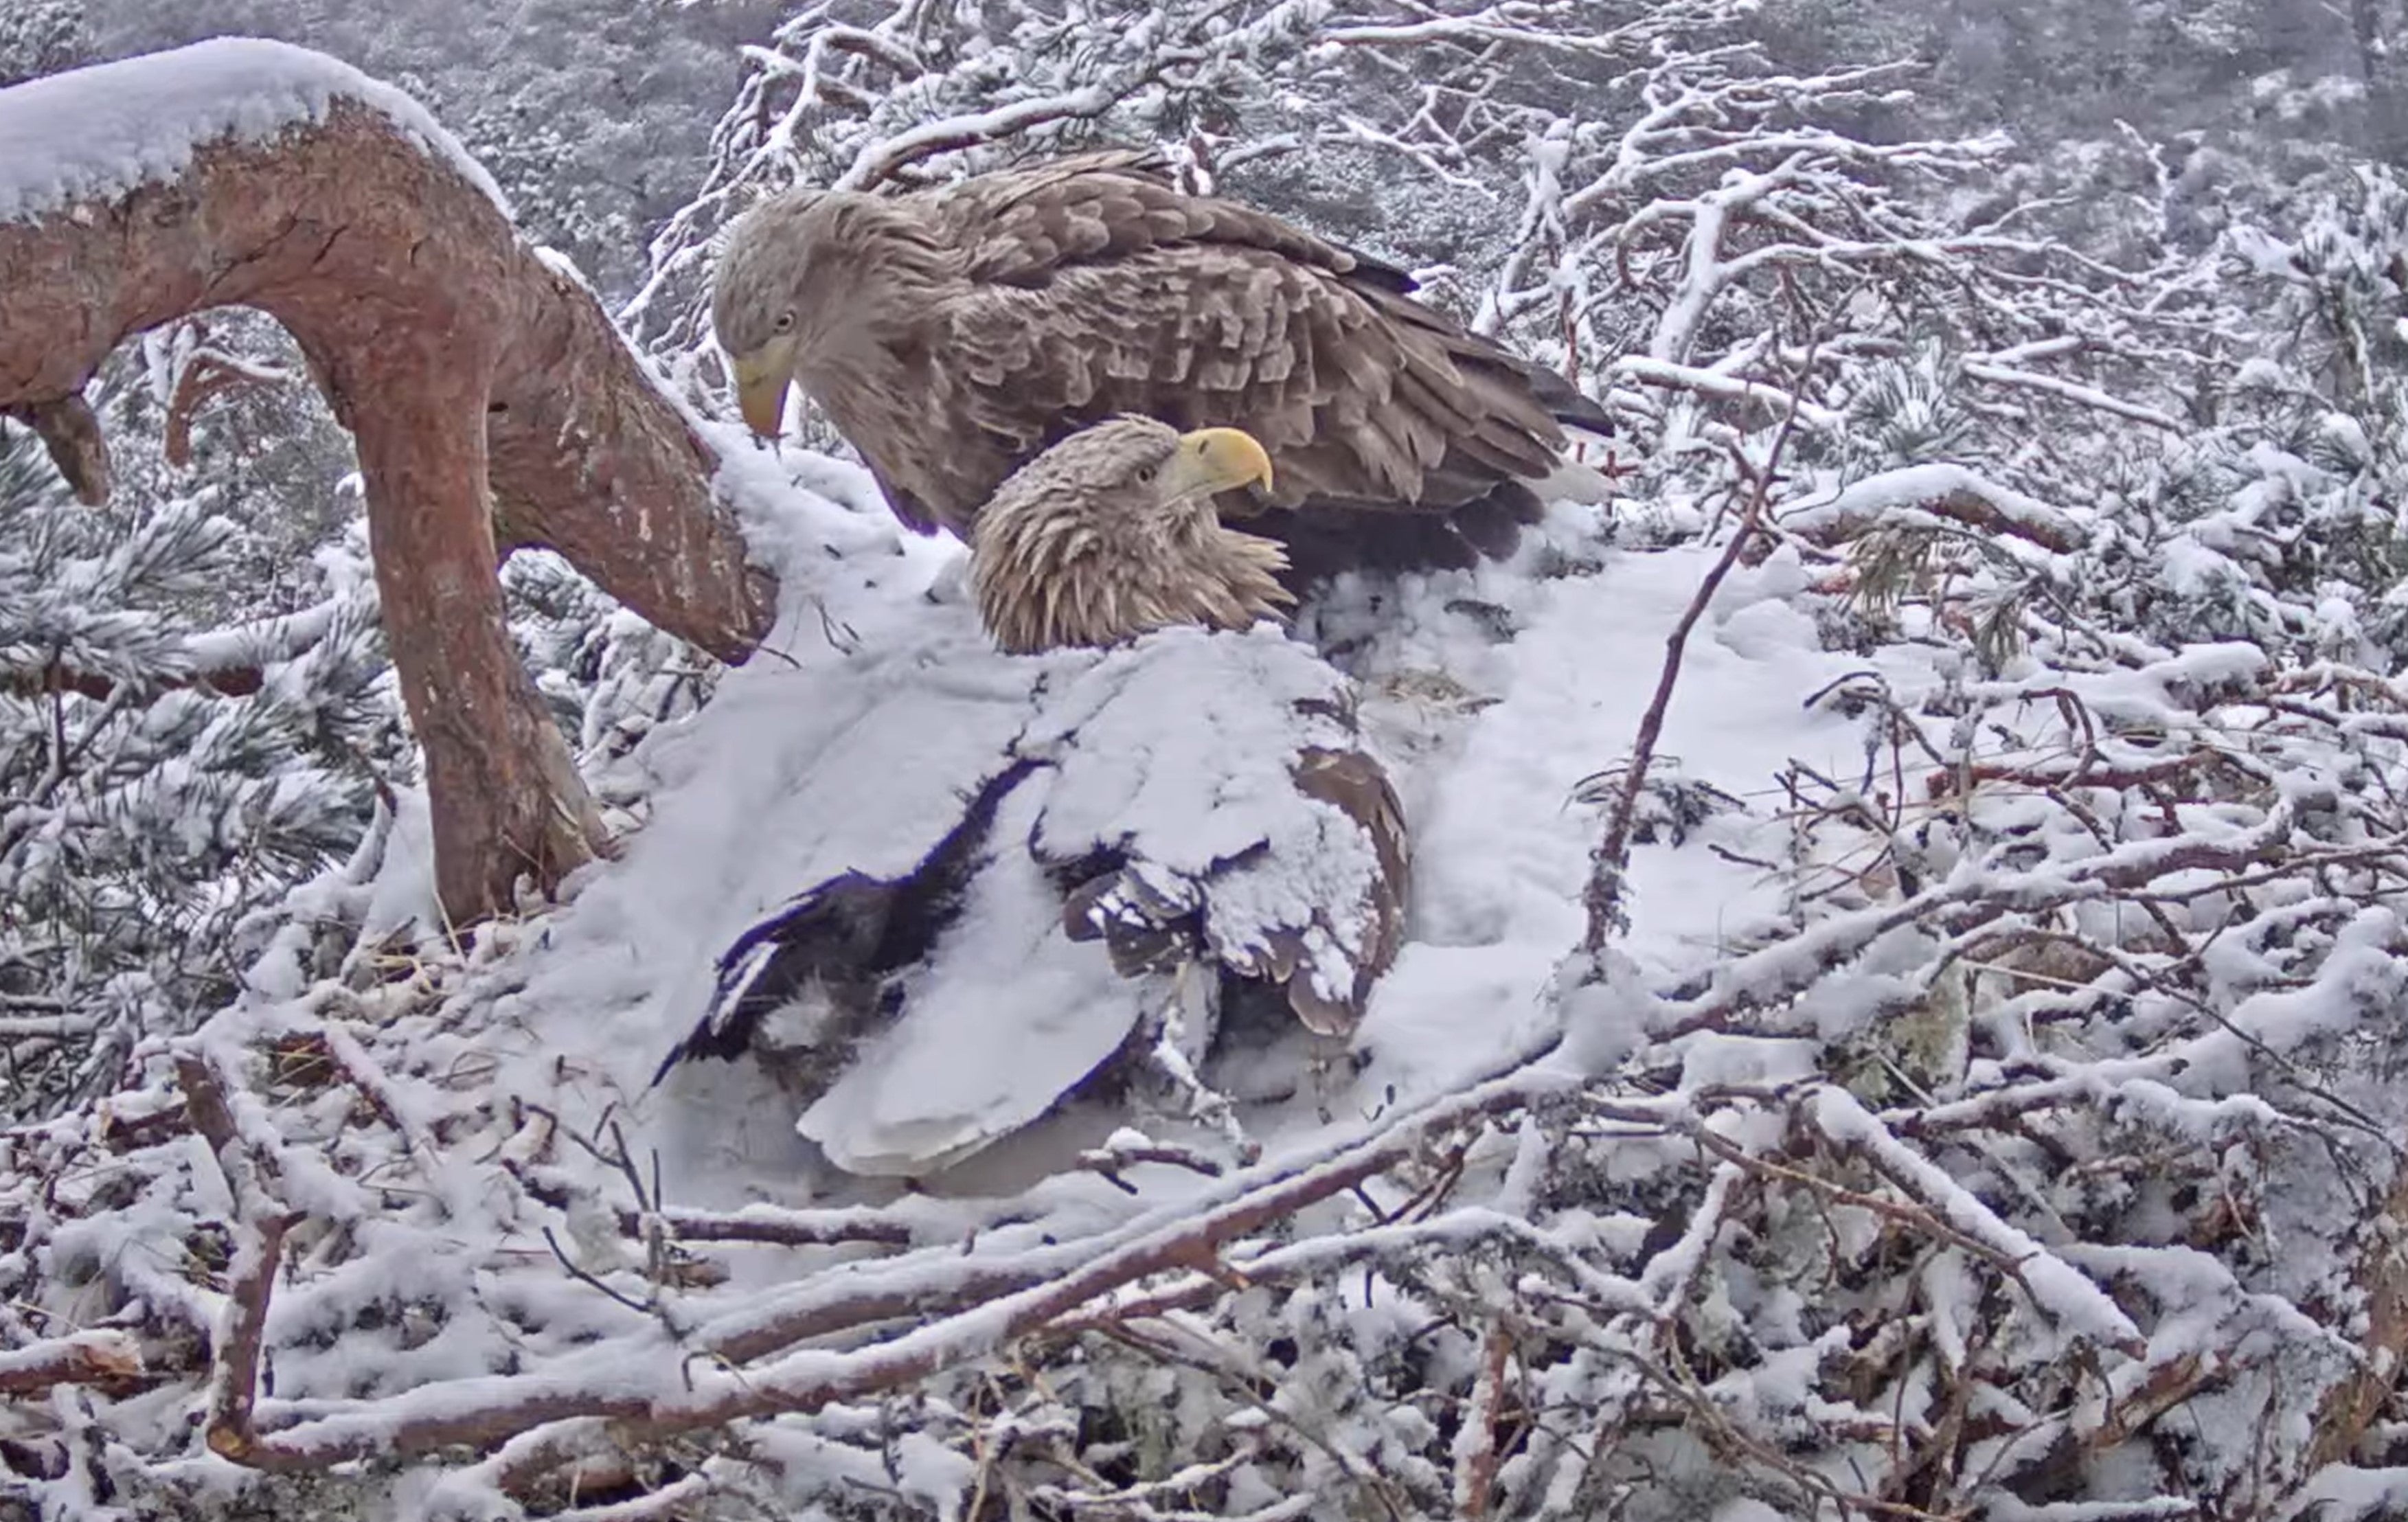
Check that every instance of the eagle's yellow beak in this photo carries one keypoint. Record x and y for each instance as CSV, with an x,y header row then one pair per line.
x,y
761,393
1216,460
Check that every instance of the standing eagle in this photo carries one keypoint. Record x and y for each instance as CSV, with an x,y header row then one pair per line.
x,y
952,334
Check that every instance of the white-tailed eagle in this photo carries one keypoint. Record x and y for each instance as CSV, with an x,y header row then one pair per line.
x,y
952,334
1182,820
1112,532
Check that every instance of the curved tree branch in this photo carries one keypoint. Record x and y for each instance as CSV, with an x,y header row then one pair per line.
x,y
476,378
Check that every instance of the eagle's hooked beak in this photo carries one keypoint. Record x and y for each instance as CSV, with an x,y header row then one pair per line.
x,y
761,392
1213,460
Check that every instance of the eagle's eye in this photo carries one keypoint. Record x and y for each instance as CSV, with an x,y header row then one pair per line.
x,y
785,323
1145,474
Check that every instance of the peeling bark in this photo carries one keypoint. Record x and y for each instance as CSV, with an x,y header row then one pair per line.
x,y
90,1358
474,377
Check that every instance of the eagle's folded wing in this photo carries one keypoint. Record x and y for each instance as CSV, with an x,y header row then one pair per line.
x,y
1094,286
999,1019
1215,804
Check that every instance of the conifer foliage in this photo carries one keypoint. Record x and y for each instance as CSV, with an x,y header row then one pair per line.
x,y
2013,1134
164,777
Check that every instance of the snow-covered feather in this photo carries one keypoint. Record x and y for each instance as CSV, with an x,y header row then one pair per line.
x,y
1194,800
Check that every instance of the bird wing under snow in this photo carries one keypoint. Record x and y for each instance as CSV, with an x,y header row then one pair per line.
x,y
1222,780
1190,798
1002,1016
909,740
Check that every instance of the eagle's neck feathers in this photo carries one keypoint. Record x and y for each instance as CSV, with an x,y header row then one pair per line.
x,y
1056,575
873,305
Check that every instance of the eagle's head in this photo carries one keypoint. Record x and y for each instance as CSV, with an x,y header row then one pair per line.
x,y
808,273
1115,531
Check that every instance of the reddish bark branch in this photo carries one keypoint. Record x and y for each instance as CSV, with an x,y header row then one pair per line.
x,y
208,375
1476,1455
250,1176
84,1359
236,681
233,1381
476,380
72,436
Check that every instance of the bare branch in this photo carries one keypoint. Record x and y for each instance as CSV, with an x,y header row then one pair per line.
x,y
89,1357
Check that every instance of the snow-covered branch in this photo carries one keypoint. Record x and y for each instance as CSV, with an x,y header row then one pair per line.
x,y
532,398
78,1358
1930,491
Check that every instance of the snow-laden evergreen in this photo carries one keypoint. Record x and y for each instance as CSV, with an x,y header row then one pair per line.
x,y
162,778
1965,1091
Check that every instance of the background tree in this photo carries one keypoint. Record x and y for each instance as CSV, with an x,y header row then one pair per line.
x,y
2036,1154
537,430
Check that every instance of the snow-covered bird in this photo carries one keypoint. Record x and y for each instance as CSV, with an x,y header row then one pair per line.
x,y
1112,532
1182,818
952,334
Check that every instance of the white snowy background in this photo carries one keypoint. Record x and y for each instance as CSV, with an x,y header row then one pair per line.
x,y
1981,1104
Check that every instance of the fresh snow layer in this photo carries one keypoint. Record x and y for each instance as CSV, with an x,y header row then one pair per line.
x,y
877,705
1007,1014
850,739
95,132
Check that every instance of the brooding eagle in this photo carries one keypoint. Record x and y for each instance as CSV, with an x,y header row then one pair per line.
x,y
952,334
1112,532
1197,802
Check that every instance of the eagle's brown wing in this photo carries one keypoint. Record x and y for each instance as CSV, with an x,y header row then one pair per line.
x,y
1093,287
1021,226
1357,786
1215,803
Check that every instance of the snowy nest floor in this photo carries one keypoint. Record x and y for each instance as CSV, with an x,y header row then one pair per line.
x,y
1955,1109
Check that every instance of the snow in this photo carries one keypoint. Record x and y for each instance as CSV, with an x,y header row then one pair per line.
x,y
95,132
1178,752
1977,1054
876,707
1010,1014
2061,1290
858,754
106,1348
1926,485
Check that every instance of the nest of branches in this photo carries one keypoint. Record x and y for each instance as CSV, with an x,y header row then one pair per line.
x,y
2036,1159
2042,1151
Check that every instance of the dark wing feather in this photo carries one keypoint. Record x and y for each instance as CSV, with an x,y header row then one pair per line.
x,y
846,934
1093,287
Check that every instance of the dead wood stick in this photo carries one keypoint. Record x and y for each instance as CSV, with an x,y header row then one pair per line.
x,y
251,1177
86,1358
